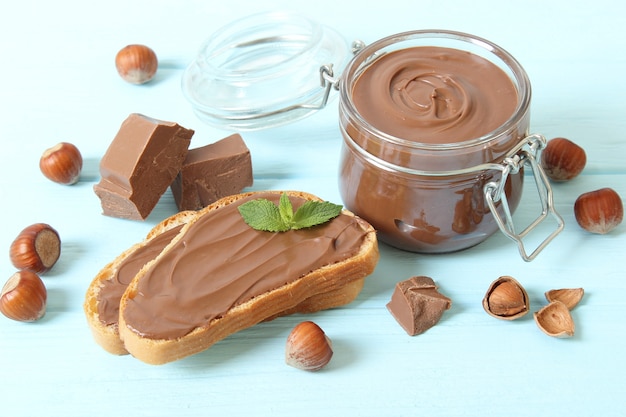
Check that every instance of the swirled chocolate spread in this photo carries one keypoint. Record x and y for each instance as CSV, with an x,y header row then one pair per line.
x,y
434,95
218,262
110,294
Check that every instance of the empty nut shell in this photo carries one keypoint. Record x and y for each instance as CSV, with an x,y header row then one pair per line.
x,y
308,347
506,299
555,320
568,296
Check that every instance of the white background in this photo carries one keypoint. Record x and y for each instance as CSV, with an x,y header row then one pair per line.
x,y
58,83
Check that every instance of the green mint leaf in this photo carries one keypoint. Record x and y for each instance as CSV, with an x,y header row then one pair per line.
x,y
262,214
286,209
313,213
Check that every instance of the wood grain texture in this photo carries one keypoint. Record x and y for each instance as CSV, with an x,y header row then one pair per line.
x,y
58,83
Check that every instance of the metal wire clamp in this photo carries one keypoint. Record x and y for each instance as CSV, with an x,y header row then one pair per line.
x,y
526,154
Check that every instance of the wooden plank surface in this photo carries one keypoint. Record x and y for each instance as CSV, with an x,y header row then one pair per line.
x,y
58,83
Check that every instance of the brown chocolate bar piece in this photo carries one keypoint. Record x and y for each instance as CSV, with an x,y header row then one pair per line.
x,y
417,305
141,162
211,172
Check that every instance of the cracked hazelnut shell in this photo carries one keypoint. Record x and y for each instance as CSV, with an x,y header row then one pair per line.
x,y
555,320
506,299
568,296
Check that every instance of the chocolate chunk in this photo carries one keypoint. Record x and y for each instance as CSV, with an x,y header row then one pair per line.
x,y
417,305
141,162
211,172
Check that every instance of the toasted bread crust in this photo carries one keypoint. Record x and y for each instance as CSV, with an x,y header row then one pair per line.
x,y
105,335
327,287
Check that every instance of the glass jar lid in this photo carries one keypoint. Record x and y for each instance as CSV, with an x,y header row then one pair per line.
x,y
264,70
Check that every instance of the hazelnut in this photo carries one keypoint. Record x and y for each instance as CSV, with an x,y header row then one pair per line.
x,y
555,320
308,347
61,163
23,297
37,248
568,296
506,299
562,159
136,64
599,211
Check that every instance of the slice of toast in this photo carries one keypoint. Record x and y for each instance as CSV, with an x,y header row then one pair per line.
x,y
101,304
168,316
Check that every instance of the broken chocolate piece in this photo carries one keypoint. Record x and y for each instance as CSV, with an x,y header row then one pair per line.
x,y
141,162
212,172
417,305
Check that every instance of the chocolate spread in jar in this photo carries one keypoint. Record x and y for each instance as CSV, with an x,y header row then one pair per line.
x,y
427,109
434,95
220,262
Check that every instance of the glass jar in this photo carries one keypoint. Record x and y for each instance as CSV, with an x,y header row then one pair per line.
x,y
439,197
274,68
264,70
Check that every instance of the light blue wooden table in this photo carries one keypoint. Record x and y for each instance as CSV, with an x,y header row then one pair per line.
x,y
58,83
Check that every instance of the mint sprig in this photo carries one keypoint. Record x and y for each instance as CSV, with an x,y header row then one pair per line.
x,y
262,214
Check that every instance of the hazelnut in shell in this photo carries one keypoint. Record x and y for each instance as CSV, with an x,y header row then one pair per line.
x,y
562,159
62,163
599,211
308,347
24,297
36,248
136,64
